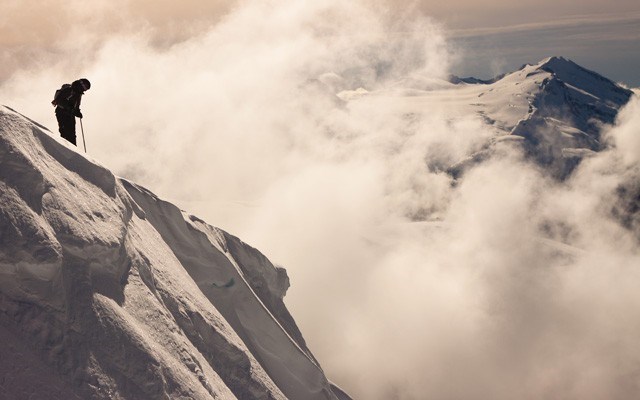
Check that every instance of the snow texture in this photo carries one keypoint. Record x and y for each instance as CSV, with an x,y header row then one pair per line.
x,y
108,292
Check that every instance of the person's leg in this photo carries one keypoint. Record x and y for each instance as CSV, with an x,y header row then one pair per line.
x,y
67,126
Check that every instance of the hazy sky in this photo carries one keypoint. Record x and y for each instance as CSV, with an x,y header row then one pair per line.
x,y
493,36
225,109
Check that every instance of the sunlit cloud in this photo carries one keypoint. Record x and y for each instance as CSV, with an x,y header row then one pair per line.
x,y
407,284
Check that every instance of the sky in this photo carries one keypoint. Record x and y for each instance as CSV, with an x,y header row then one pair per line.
x,y
222,108
491,37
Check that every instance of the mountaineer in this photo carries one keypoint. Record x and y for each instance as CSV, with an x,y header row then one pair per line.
x,y
67,102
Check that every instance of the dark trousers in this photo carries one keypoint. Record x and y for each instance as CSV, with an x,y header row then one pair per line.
x,y
66,125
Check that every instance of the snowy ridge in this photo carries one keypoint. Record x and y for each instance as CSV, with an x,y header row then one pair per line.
x,y
108,292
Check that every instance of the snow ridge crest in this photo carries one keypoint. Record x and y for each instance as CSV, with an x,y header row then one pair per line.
x,y
108,292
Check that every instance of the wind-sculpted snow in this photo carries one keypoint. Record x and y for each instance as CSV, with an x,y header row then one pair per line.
x,y
107,292
227,272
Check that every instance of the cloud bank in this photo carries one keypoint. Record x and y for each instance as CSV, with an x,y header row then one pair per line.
x,y
406,284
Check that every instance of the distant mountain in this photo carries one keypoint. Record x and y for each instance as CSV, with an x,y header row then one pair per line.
x,y
568,112
456,80
557,106
109,292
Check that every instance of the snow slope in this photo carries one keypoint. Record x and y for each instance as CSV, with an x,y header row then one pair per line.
x,y
108,292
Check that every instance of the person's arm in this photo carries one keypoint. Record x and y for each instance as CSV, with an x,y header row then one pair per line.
x,y
76,109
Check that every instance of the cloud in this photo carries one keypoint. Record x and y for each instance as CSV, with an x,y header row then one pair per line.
x,y
626,136
496,13
524,290
46,34
603,36
505,284
570,22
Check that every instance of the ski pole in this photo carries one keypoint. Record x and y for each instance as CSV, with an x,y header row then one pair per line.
x,y
84,142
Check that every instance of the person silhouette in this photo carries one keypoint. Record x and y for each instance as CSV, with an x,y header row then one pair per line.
x,y
67,102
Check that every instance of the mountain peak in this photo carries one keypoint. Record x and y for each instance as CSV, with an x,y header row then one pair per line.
x,y
556,63
567,112
557,106
579,77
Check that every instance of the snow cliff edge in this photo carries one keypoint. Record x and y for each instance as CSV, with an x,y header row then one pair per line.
x,y
108,292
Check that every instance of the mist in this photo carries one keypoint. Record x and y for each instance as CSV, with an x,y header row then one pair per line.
x,y
406,284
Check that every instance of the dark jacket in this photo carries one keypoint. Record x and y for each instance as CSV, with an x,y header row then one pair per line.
x,y
68,99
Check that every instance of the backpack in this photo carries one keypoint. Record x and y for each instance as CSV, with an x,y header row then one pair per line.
x,y
58,93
